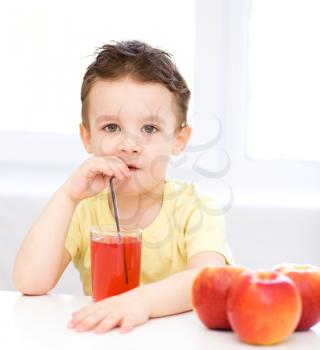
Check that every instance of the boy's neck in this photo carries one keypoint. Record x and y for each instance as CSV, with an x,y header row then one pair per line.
x,y
141,209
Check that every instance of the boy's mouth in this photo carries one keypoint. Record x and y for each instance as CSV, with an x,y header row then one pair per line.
x,y
132,168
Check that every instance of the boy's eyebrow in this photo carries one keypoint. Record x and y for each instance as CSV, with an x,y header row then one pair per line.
x,y
151,118
105,117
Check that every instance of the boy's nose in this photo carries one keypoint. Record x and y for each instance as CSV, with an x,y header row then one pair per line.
x,y
129,145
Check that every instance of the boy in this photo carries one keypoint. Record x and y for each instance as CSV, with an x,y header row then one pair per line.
x,y
134,108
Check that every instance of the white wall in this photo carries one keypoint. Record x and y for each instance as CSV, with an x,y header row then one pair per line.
x,y
16,216
262,237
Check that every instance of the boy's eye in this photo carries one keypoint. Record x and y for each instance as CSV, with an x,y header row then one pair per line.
x,y
150,129
111,127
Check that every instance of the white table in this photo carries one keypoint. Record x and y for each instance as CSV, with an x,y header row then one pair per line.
x,y
41,323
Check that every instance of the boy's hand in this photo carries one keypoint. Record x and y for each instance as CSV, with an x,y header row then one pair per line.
x,y
126,310
93,176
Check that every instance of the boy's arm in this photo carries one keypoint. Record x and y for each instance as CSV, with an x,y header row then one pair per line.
x,y
169,296
42,257
172,295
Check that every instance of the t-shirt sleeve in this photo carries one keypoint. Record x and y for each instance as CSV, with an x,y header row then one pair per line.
x,y
205,229
73,240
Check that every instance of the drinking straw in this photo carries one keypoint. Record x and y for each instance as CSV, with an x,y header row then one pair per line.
x,y
116,214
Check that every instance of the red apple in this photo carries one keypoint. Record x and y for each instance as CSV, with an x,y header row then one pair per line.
x,y
307,279
264,307
209,294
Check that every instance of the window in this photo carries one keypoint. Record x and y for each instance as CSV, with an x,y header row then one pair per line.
x,y
46,47
224,84
284,74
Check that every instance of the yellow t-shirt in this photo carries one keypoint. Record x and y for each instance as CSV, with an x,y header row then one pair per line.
x,y
186,224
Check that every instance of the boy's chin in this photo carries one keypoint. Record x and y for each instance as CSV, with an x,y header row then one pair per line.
x,y
129,188
134,188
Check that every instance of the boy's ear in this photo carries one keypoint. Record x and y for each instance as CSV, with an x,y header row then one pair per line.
x,y
182,139
85,137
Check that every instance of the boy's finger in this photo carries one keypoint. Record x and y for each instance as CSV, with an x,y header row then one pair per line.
x,y
87,319
118,173
109,322
79,315
89,322
127,325
116,161
123,169
121,165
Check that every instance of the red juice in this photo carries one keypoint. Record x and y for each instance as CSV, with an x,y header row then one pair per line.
x,y
110,255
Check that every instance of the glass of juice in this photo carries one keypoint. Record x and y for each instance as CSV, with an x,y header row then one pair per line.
x,y
115,260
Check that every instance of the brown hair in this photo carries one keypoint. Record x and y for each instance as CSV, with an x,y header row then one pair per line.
x,y
143,63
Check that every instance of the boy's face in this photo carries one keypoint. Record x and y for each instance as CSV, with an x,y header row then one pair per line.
x,y
135,122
